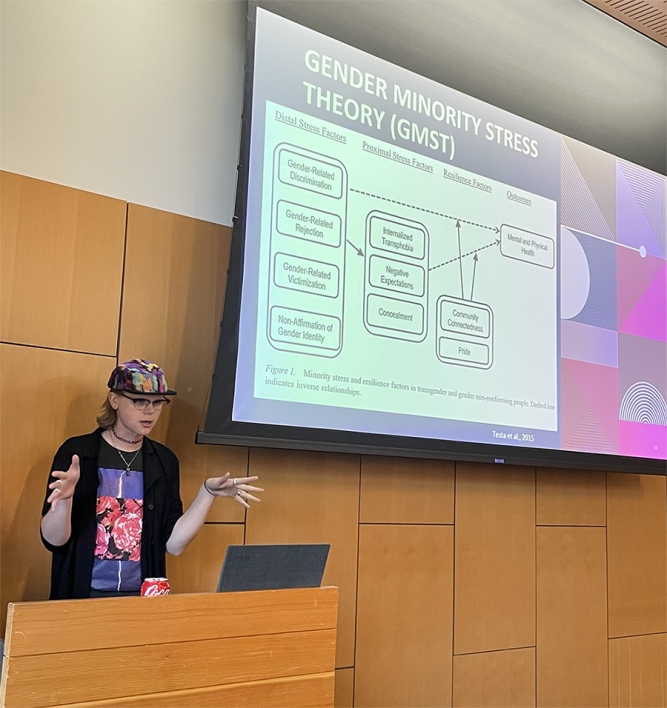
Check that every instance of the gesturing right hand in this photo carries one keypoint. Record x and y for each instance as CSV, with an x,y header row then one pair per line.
x,y
63,487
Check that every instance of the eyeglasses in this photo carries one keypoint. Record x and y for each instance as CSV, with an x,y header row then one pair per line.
x,y
142,404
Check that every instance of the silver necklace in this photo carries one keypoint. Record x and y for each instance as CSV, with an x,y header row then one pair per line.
x,y
122,457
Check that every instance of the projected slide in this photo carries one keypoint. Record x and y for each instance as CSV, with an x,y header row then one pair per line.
x,y
419,263
388,282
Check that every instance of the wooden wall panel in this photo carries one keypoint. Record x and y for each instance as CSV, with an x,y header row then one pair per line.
x,y
46,396
496,679
10,209
638,672
313,498
62,262
344,692
494,573
571,497
398,490
404,616
198,568
637,554
571,617
175,277
314,691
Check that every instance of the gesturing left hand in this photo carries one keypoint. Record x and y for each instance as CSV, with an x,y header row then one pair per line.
x,y
239,488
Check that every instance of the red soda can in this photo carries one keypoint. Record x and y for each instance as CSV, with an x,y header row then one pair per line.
x,y
155,586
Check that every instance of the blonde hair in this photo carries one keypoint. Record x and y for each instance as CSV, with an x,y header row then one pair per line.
x,y
107,417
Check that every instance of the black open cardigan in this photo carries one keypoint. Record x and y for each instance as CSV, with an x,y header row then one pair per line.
x,y
72,563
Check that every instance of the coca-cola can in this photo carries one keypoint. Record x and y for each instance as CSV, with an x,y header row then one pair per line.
x,y
155,586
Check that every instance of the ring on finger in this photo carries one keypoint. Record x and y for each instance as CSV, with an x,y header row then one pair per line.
x,y
57,489
238,494
234,481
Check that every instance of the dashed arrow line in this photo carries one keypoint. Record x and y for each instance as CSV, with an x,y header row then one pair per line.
x,y
465,255
428,211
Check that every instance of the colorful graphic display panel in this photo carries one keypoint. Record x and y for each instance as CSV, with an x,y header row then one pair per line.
x,y
613,305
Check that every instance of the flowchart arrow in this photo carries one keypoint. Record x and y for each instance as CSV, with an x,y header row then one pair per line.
x,y
428,211
458,232
465,255
474,270
358,250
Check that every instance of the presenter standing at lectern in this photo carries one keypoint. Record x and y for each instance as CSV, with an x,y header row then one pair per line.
x,y
113,506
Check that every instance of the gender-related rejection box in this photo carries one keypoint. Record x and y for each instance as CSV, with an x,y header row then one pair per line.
x,y
309,224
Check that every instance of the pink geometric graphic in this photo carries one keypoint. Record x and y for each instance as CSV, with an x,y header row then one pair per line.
x,y
654,212
642,440
579,209
589,406
649,191
633,276
644,184
632,228
649,316
583,342
599,385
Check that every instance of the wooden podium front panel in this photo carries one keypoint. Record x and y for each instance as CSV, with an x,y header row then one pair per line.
x,y
94,624
176,650
60,679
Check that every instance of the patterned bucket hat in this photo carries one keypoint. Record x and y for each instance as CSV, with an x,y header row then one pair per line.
x,y
139,376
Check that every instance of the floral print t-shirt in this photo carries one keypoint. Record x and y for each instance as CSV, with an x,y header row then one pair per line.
x,y
120,508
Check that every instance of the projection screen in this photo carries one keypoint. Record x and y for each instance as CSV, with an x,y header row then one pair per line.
x,y
416,272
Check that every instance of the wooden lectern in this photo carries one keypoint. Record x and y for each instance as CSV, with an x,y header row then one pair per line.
x,y
265,648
